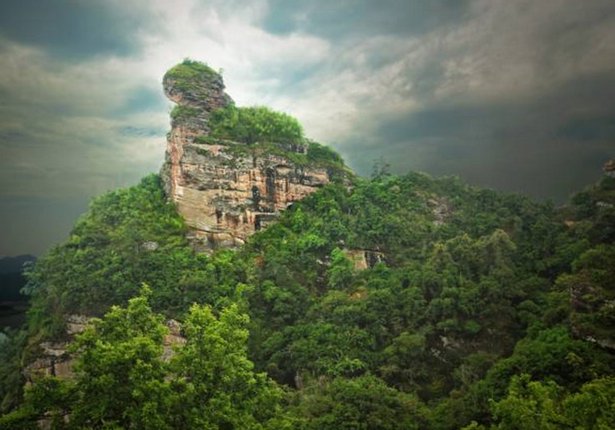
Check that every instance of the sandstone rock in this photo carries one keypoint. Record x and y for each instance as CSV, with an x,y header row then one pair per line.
x,y
364,258
76,324
54,349
149,246
225,190
55,359
64,369
172,339
40,368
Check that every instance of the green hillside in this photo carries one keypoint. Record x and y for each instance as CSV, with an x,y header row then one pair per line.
x,y
479,310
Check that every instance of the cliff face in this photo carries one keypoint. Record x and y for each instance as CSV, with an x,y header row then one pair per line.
x,y
226,190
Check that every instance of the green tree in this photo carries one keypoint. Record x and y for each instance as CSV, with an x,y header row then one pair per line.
x,y
529,405
216,383
255,124
340,273
121,374
362,403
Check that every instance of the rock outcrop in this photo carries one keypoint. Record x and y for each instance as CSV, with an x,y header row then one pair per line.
x,y
364,258
225,190
55,358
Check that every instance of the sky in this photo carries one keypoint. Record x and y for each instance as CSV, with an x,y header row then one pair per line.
x,y
516,95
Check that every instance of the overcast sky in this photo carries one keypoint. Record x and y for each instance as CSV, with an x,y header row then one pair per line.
x,y
517,95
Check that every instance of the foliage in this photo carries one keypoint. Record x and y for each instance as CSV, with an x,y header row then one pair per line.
x,y
122,380
216,382
481,310
363,403
183,112
11,379
255,124
185,74
546,406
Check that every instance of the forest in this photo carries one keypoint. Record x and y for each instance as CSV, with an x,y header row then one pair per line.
x,y
482,310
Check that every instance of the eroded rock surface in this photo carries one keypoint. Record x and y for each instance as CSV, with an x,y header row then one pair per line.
x,y
225,190
56,360
364,258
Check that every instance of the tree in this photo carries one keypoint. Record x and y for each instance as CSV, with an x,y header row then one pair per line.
x,y
216,383
362,403
529,405
122,381
255,124
340,273
121,374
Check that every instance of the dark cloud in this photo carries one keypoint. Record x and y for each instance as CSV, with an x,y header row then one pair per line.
x,y
73,29
518,95
144,99
365,18
547,147
30,225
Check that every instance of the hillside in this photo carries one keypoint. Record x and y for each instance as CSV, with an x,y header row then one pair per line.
x,y
399,302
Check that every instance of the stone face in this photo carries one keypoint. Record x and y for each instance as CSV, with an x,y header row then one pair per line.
x,y
364,258
76,324
55,359
226,191
172,339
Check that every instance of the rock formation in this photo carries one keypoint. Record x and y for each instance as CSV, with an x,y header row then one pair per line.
x,y
225,190
54,358
364,258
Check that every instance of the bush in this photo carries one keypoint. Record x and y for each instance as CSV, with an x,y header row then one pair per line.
x,y
255,124
187,72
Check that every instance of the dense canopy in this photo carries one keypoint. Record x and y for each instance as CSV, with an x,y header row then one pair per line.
x,y
397,302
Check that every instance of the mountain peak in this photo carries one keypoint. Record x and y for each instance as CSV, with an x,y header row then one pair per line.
x,y
232,170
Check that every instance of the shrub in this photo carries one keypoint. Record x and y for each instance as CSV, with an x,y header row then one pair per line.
x,y
255,124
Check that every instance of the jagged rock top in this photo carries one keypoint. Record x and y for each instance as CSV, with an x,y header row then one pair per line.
x,y
195,85
232,170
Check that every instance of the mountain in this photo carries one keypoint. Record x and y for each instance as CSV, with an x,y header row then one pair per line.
x,y
230,170
405,302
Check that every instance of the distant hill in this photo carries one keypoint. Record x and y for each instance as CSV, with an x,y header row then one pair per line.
x,y
14,264
11,278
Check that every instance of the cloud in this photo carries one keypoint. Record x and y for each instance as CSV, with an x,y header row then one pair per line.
x,y
516,94
75,29
361,18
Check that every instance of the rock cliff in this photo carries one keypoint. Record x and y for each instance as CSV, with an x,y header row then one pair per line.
x,y
55,358
226,190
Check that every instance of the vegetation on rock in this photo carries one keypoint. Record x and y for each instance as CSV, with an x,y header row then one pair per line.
x,y
188,72
472,321
482,311
257,124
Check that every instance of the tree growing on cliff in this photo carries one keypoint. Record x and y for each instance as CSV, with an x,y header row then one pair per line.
x,y
215,383
255,124
123,382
